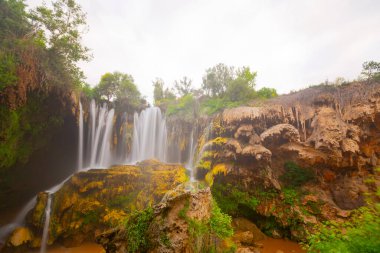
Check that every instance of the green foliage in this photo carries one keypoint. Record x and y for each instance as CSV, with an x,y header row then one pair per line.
x,y
184,106
136,228
220,222
239,90
90,217
296,176
63,25
158,91
7,70
361,234
267,93
21,130
122,201
183,86
290,196
216,79
371,70
116,86
230,197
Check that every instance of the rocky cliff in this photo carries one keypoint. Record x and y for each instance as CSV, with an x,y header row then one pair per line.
x,y
297,160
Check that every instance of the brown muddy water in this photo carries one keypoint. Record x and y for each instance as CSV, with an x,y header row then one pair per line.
x,y
269,246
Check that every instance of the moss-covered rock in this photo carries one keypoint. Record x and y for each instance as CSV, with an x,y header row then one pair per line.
x,y
96,200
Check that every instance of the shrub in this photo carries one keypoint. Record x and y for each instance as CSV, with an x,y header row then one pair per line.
x,y
137,226
361,234
220,222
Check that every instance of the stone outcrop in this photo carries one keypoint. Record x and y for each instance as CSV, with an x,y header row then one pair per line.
x,y
96,200
179,223
330,131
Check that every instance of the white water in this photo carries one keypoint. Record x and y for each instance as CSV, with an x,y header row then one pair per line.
x,y
18,221
190,162
149,136
97,153
45,233
149,141
80,138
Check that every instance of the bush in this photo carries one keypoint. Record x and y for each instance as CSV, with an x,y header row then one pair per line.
x,y
220,222
185,106
361,234
137,226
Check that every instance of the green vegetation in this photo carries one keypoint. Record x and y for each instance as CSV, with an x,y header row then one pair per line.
x,y
361,234
220,222
39,52
118,88
371,71
200,231
136,228
230,197
295,176
222,87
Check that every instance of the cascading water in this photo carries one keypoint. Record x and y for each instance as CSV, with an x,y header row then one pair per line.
x,y
149,136
45,233
18,221
190,163
80,138
97,153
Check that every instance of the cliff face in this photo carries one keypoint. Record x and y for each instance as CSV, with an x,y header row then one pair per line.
x,y
298,159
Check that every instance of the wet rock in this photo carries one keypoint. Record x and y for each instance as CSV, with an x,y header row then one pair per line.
x,y
96,200
20,236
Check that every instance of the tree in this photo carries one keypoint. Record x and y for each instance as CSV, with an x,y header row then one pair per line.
x,y
118,86
158,91
216,79
63,26
267,93
239,90
183,86
247,76
371,70
169,94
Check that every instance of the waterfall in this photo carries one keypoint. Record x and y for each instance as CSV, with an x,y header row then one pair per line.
x,y
18,221
97,152
45,233
190,162
149,136
80,138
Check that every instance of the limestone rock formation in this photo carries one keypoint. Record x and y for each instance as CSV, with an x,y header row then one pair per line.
x,y
96,200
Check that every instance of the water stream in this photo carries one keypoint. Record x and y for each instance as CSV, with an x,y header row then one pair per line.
x,y
149,136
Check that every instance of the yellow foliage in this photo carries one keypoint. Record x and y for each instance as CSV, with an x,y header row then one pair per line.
x,y
217,169
114,217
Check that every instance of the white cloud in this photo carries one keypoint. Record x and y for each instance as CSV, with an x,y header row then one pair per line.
x,y
290,43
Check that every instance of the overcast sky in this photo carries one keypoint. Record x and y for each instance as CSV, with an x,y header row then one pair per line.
x,y
291,44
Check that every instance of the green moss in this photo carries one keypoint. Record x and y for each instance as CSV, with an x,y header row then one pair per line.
x,y
122,201
230,197
136,228
290,196
90,217
220,222
295,176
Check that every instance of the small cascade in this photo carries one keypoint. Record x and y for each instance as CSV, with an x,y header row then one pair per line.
x,y
190,163
45,233
18,221
80,138
149,136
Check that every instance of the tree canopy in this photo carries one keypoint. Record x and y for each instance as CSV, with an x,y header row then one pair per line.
x,y
118,87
